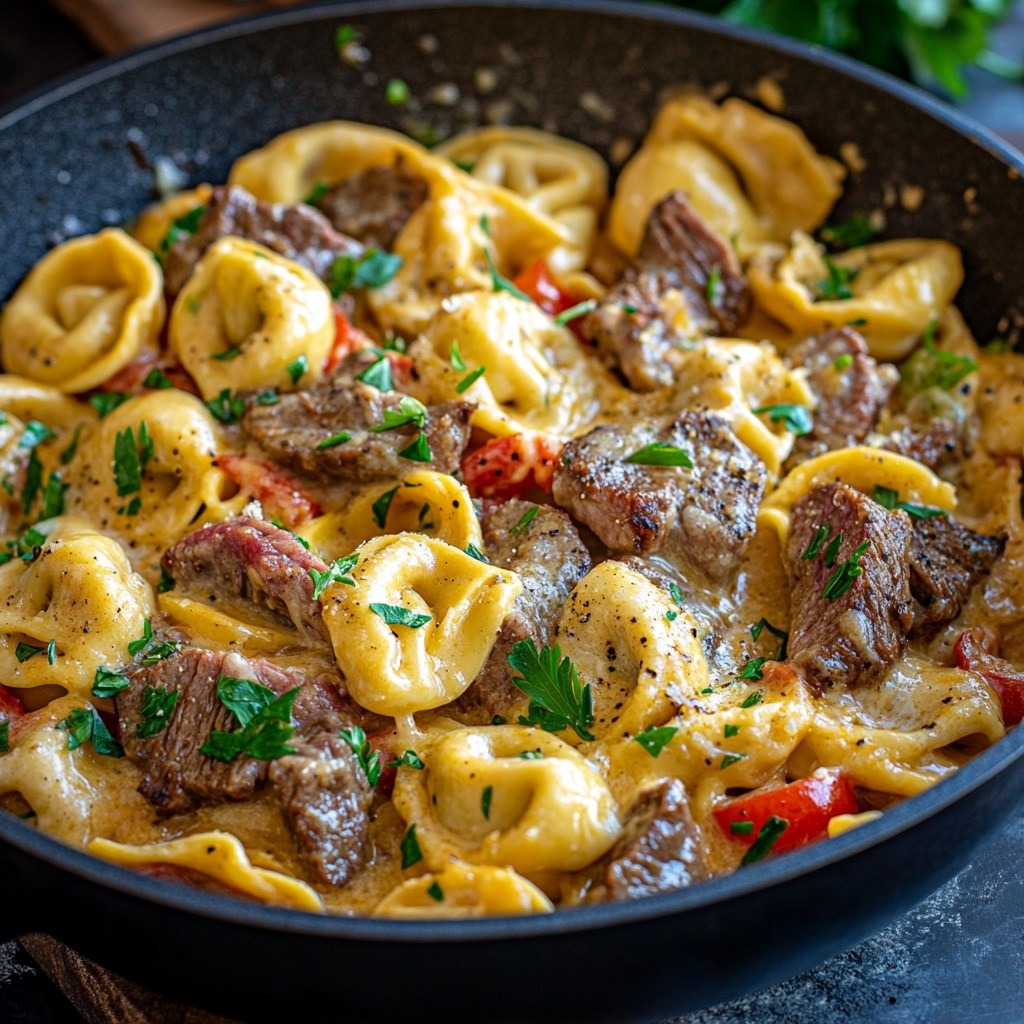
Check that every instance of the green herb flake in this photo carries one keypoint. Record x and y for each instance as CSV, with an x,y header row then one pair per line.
x,y
524,520
435,892
766,840
69,453
842,362
837,284
107,683
655,739
334,440
337,572
531,755
455,358
105,402
397,92
419,450
25,651
368,758
763,624
407,759
35,433
345,34
813,549
53,497
51,652
741,828
226,407
298,368
382,506
157,704
851,233
499,283
933,367
411,853
714,289
181,227
264,716
730,759
85,725
752,669
753,698
378,375
832,551
228,354
33,481
409,411
395,615
659,453
166,581
575,312
888,498
5,736
730,730
558,699
474,552
157,380
842,579
470,379
485,802
795,418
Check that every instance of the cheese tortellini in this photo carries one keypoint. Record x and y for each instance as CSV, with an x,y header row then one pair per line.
x,y
85,311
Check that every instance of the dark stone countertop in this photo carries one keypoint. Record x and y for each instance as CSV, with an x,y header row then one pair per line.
x,y
957,958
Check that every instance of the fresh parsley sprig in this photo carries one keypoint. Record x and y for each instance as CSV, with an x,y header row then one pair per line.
x,y
660,453
337,572
368,758
264,716
558,699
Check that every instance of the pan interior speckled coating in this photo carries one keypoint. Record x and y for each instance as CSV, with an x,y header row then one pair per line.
x,y
208,97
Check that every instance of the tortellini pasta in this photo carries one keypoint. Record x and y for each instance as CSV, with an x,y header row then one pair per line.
x,y
249,318
74,607
85,311
445,607
551,812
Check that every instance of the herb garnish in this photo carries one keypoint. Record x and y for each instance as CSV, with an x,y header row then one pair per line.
x,y
264,716
850,233
524,520
888,498
33,481
419,450
108,683
730,730
24,651
837,284
166,581
157,380
795,418
814,547
407,759
575,312
730,759
932,367
226,407
752,669
409,411
181,226
105,402
470,379
396,615
157,704
371,270
229,353
558,700
833,549
411,853
85,724
397,92
842,579
5,736
502,284
741,828
455,356
368,758
485,802
53,496
297,368
474,552
435,892
762,624
766,839
654,740
378,375
337,572
659,453
35,433
382,506
69,453
334,440
714,288
840,363
752,698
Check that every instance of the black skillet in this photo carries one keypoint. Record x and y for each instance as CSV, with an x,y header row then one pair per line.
x,y
76,157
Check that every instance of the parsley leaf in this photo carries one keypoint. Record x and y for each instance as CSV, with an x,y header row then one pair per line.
x,y
5,736
714,289
368,758
766,839
888,498
470,379
226,407
334,440
182,226
409,411
503,284
69,453
35,433
762,624
53,496
382,506
373,269
730,759
654,740
337,572
795,418
157,704
264,716
842,579
395,615
25,651
850,233
659,453
524,520
378,375
933,367
108,683
752,669
474,552
485,802
752,698
558,700
411,853
419,450
814,547
837,284
228,354
105,402
435,891
157,380
33,481
85,725
575,312
407,759
297,368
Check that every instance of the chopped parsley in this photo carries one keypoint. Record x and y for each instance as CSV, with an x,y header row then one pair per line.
x,y
654,740
337,572
131,456
524,520
378,375
107,683
151,649
334,440
411,853
409,411
53,496
455,357
842,579
382,506
558,700
69,453
396,615
850,233
762,624
888,498
714,289
741,828
730,730
24,651
368,758
157,380
795,418
753,698
85,725
485,802
226,407
298,368
833,549
765,841
752,669
182,226
105,402
419,450
264,716
575,312
470,379
166,581
730,759
345,34
842,362
320,189
435,892
474,552
157,704
35,433
499,283
659,453
932,367
837,284
407,759
33,481
397,92
5,736
814,548
374,269
228,354
531,755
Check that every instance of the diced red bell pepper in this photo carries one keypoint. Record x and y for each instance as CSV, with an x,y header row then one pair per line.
x,y
10,706
807,806
972,652
507,467
281,496
347,339
130,380
539,283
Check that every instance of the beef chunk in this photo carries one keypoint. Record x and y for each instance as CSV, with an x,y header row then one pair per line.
x,y
290,430
659,849
374,205
297,231
856,635
850,396
177,776
249,561
946,561
550,559
679,254
325,798
704,515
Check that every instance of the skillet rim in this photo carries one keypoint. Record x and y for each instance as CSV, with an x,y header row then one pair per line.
x,y
764,875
